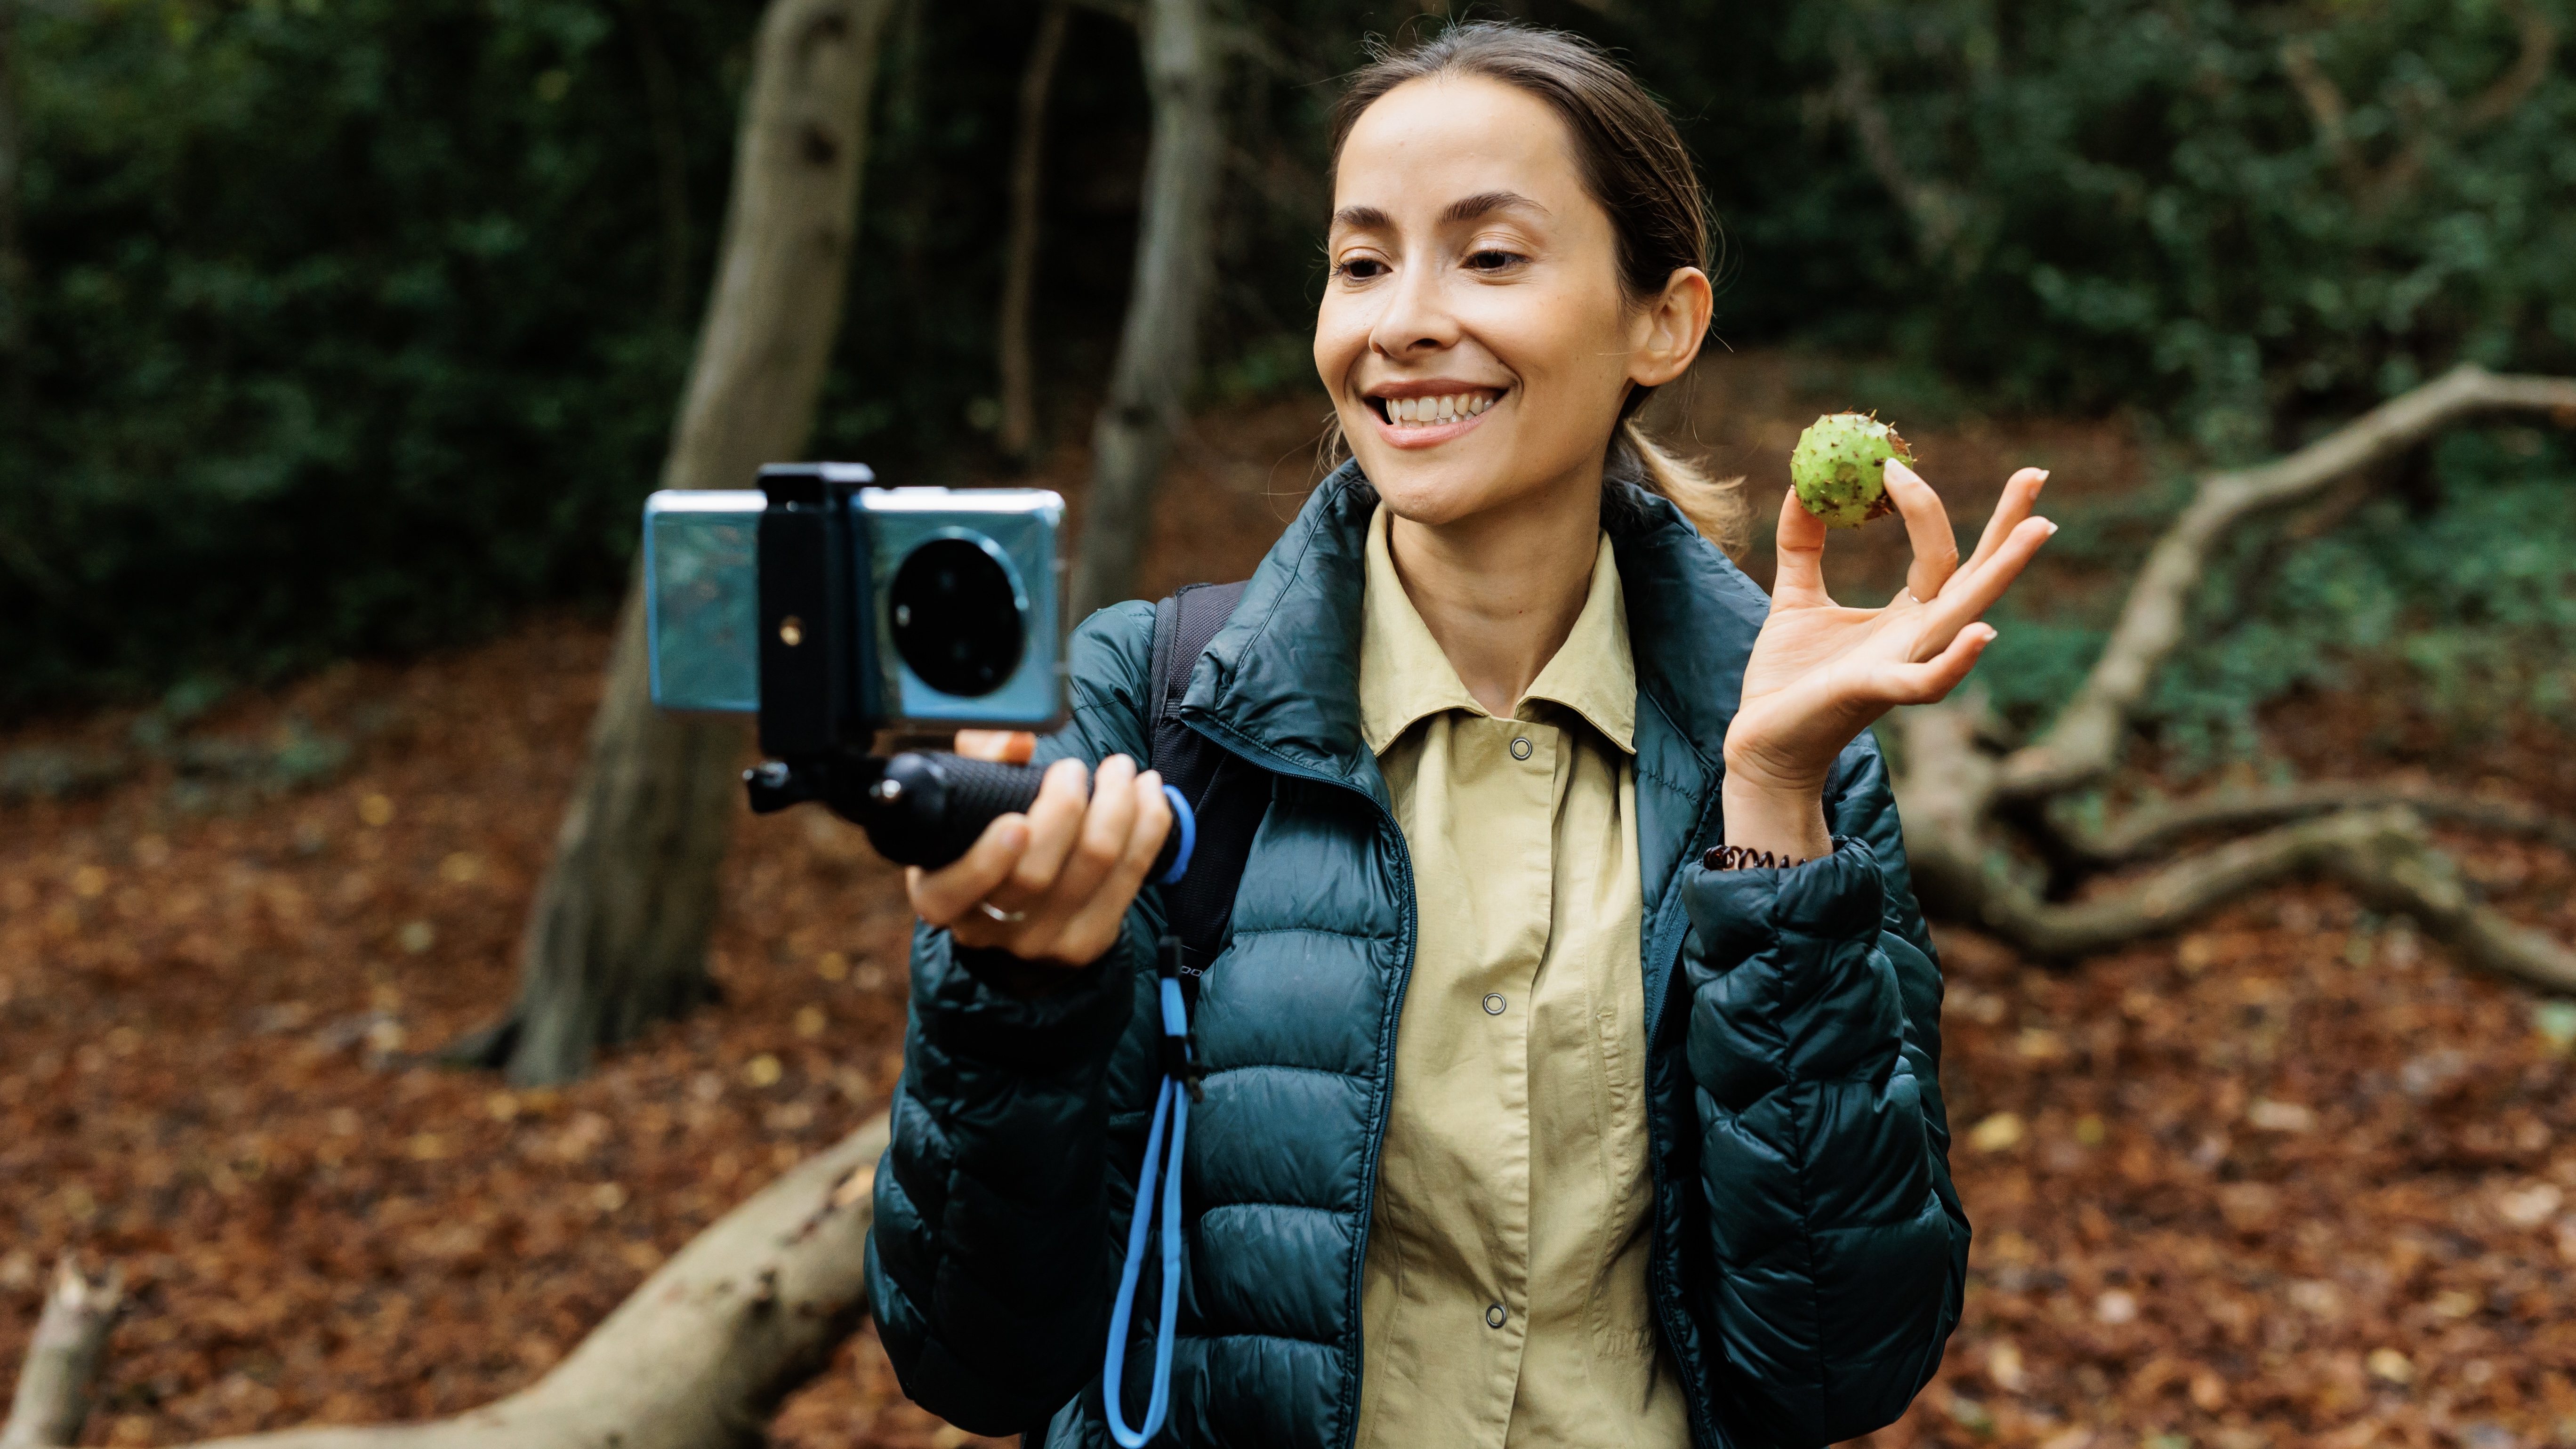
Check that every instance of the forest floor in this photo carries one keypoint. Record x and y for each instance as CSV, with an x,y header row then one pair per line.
x,y
2289,1178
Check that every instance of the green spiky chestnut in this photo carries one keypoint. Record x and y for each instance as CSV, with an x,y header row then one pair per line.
x,y
1839,468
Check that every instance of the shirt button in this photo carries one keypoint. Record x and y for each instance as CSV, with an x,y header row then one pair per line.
x,y
1494,1316
1494,1004
1521,748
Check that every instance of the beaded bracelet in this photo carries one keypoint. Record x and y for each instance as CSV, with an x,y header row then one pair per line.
x,y
1737,857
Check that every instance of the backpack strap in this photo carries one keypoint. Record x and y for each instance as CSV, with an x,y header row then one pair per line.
x,y
1228,795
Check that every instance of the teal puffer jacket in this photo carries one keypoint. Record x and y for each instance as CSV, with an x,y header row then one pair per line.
x,y
1809,1249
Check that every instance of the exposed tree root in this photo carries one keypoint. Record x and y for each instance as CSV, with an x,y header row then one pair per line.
x,y
2147,831
2373,842
2401,872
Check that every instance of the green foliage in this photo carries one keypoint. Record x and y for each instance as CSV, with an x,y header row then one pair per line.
x,y
2468,607
341,329
2247,217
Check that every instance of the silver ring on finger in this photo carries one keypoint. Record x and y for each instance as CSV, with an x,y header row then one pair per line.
x,y
1007,918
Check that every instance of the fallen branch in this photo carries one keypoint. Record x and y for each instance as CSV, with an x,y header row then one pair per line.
x,y
62,1358
700,1356
2084,742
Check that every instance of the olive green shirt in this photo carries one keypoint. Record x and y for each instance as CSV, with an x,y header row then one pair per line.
x,y
1505,1301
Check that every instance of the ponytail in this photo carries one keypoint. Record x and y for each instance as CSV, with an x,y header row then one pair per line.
x,y
1715,506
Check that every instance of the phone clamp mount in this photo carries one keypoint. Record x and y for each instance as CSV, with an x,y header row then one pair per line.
x,y
825,690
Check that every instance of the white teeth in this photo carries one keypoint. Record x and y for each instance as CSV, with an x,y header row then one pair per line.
x,y
1432,411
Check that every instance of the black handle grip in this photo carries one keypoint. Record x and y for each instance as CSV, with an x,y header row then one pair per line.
x,y
927,807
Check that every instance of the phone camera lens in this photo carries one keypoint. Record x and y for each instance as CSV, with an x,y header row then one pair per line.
x,y
956,617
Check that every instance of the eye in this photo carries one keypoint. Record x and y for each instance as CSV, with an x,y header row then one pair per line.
x,y
1360,269
1492,259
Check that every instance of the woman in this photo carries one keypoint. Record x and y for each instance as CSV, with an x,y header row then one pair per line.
x,y
1572,1068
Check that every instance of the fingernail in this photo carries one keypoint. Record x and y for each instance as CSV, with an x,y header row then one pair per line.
x,y
2043,475
1898,468
2052,526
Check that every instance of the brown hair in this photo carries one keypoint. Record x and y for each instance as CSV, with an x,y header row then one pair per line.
x,y
1632,163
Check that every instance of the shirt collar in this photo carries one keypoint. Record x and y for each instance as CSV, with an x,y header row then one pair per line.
x,y
1405,678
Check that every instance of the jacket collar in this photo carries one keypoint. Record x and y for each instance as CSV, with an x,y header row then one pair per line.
x,y
1281,679
1405,677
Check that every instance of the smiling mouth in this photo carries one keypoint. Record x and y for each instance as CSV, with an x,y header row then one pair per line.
x,y
1431,412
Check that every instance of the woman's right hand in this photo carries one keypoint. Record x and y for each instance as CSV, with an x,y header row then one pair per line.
x,y
1066,871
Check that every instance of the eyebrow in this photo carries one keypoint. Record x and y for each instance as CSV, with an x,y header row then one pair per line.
x,y
1467,208
1485,203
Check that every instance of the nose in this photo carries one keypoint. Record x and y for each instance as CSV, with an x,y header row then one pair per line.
x,y
1416,318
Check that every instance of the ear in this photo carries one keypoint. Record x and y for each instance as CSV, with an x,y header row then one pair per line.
x,y
1671,327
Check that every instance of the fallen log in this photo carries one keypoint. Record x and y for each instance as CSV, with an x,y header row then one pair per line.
x,y
53,1394
699,1357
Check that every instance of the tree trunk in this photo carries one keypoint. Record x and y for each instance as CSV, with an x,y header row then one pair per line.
x,y
1157,351
618,933
62,1358
13,266
670,157
1020,261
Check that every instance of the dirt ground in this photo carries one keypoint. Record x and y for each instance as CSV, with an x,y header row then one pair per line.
x,y
2289,1179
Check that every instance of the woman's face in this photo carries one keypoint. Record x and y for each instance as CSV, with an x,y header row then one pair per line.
x,y
1473,334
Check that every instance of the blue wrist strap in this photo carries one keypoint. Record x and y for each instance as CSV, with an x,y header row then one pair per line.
x,y
1172,1104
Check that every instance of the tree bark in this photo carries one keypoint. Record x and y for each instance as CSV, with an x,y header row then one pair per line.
x,y
2084,742
62,1358
1157,350
617,937
1020,260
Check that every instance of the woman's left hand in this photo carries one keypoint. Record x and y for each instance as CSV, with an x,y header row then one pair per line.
x,y
1821,673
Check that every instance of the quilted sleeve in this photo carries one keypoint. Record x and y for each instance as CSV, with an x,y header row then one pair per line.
x,y
987,1270
1838,1243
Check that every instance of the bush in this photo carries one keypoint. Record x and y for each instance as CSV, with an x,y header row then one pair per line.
x,y
2253,219
350,326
